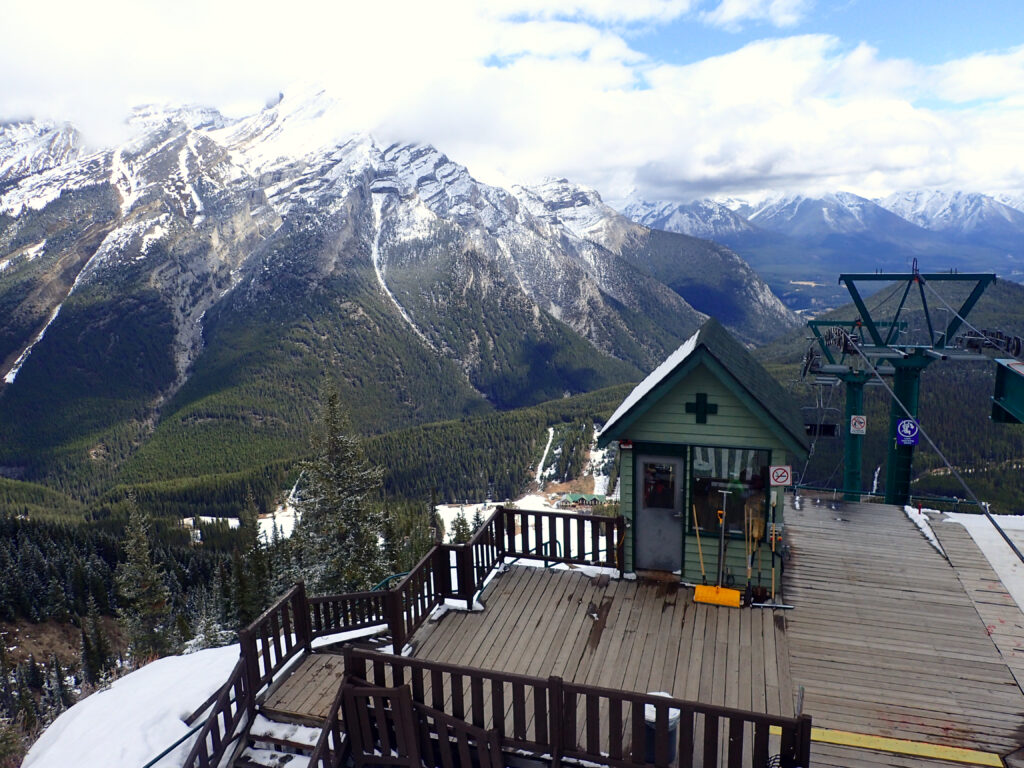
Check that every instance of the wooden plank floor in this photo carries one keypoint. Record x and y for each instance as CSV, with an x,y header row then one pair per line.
x,y
885,640
307,694
1000,613
631,635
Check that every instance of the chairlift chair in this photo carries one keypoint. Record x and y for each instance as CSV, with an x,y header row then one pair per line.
x,y
820,421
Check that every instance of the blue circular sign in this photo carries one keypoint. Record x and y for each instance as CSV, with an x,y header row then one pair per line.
x,y
907,428
906,432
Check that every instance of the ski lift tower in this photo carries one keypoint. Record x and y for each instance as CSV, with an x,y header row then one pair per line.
x,y
889,357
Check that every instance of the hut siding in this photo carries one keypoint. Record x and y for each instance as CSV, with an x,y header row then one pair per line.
x,y
732,425
668,423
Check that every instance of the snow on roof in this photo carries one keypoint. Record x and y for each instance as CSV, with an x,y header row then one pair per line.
x,y
138,717
653,379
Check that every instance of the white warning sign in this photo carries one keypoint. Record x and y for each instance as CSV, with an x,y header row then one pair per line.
x,y
858,425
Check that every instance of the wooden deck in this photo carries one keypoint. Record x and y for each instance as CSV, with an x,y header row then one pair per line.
x,y
1000,614
887,637
886,641
631,635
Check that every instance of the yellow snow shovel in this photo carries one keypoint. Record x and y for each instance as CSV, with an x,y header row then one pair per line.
x,y
717,595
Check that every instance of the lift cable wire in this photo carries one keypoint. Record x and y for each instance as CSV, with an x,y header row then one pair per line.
x,y
981,505
957,314
822,406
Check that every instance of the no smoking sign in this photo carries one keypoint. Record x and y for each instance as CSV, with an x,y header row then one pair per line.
x,y
781,475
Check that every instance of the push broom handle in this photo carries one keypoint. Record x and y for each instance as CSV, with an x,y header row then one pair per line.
x,y
700,552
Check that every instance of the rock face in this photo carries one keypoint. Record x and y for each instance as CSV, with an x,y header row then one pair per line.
x,y
213,274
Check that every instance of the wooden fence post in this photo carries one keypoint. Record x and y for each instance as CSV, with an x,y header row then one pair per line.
x,y
303,623
395,618
804,745
443,570
556,704
251,663
467,580
497,539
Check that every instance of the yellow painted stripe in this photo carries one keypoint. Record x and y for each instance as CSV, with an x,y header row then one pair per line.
x,y
902,746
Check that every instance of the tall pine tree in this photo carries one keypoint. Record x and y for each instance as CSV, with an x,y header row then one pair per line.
x,y
144,601
338,536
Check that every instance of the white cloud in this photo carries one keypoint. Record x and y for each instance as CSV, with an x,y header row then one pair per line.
x,y
733,14
982,76
521,89
614,11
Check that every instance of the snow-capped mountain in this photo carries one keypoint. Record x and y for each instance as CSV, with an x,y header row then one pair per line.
x,y
30,147
714,281
833,213
161,278
958,213
1014,201
702,218
798,243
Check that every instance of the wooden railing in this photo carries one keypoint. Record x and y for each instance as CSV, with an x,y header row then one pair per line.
x,y
596,725
455,571
413,599
331,750
330,614
223,722
275,638
564,537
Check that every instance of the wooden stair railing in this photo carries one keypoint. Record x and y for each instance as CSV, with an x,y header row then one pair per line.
x,y
287,628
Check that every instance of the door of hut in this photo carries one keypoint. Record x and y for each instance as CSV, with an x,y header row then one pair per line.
x,y
659,517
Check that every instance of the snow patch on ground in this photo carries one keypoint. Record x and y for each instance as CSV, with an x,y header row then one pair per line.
x,y
31,254
378,206
540,466
13,373
920,519
1004,562
137,717
156,233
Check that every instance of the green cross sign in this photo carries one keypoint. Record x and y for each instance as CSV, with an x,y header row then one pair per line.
x,y
701,408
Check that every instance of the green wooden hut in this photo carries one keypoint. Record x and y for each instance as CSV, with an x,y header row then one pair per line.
x,y
699,435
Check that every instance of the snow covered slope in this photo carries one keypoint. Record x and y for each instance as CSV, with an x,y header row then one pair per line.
x,y
138,717
960,213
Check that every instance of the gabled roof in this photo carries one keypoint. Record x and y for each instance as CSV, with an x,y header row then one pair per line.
x,y
712,342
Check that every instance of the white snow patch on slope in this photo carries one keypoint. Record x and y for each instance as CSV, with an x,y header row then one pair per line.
x,y
31,253
1004,562
920,519
540,466
378,206
137,717
156,233
13,373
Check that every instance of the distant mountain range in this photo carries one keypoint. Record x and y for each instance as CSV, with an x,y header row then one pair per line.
x,y
174,305
796,240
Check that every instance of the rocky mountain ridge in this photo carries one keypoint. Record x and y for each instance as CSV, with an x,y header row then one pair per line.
x,y
207,276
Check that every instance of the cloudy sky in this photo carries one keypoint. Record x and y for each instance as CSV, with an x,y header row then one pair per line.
x,y
675,99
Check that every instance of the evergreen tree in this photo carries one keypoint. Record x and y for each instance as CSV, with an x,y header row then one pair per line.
x,y
144,599
249,566
11,748
6,689
461,532
337,539
478,520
